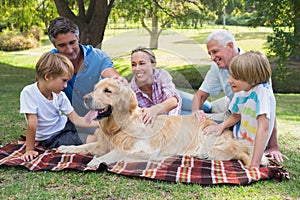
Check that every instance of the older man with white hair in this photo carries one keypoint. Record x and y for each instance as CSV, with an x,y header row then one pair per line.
x,y
221,47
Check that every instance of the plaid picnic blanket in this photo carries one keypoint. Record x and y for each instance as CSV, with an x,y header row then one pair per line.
x,y
183,169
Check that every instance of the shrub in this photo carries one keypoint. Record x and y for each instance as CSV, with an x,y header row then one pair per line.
x,y
14,42
11,41
35,32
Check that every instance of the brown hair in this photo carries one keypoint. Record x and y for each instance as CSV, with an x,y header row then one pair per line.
x,y
53,64
62,25
252,67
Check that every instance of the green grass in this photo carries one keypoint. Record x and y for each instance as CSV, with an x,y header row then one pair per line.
x,y
19,183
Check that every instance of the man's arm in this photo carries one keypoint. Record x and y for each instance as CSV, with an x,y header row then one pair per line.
x,y
198,100
112,73
272,148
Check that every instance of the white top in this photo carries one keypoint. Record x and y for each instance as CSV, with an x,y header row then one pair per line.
x,y
215,81
50,113
257,101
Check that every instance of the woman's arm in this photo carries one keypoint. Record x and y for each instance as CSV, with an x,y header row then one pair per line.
x,y
172,98
150,114
166,106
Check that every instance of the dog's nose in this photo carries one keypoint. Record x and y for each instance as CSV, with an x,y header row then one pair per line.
x,y
87,99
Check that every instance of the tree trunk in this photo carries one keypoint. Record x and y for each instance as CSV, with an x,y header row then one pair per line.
x,y
154,33
91,23
224,17
295,54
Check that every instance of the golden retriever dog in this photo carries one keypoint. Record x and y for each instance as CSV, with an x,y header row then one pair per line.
x,y
122,135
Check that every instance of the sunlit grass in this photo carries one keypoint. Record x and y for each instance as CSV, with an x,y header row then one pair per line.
x,y
19,183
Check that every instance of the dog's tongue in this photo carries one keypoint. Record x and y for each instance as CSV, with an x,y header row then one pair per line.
x,y
92,114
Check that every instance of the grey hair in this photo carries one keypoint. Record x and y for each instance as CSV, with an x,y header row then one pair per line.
x,y
222,36
61,25
147,51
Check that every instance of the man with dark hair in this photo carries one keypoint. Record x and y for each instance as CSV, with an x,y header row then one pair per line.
x,y
90,64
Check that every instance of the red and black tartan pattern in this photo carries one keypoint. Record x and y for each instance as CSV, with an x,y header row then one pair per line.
x,y
184,169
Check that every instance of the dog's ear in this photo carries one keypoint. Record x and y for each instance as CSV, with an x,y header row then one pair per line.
x,y
133,104
128,98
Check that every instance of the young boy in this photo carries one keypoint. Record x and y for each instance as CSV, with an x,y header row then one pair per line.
x,y
47,108
253,103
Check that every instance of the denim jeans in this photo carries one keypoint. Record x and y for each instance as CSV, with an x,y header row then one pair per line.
x,y
187,99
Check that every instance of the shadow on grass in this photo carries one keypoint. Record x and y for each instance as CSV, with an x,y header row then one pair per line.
x,y
12,80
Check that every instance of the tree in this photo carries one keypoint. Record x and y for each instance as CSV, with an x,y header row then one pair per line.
x,y
295,51
154,15
284,44
148,13
91,21
284,17
23,14
197,12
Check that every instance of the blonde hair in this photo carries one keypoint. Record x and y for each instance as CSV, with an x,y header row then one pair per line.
x,y
252,67
147,51
53,64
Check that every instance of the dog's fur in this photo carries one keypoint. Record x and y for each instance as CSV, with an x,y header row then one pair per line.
x,y
122,135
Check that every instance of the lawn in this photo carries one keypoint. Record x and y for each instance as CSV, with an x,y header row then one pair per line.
x,y
17,183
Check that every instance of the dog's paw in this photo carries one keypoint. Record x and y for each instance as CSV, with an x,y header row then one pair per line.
x,y
65,149
94,163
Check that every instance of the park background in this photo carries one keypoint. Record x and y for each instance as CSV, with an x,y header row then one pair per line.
x,y
176,30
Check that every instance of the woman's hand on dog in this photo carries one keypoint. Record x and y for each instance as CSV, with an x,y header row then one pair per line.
x,y
149,114
29,155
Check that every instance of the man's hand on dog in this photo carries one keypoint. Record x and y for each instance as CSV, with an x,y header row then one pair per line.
x,y
200,115
121,79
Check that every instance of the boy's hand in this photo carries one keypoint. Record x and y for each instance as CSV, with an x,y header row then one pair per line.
x,y
29,155
213,129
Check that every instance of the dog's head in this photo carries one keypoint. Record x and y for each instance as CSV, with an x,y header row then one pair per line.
x,y
110,95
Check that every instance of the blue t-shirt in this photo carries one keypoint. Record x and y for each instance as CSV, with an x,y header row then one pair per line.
x,y
95,62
